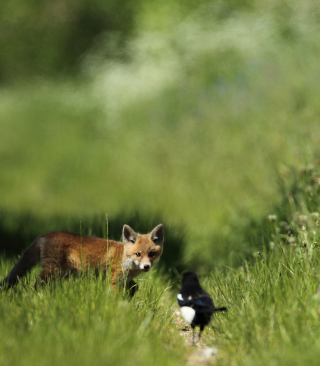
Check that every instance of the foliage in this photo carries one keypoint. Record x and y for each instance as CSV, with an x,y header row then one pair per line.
x,y
40,39
50,38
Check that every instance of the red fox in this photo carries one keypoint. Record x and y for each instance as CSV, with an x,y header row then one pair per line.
x,y
62,253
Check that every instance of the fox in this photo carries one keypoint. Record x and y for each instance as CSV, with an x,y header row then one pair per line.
x,y
64,253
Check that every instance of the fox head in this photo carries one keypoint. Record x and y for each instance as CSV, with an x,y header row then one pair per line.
x,y
143,250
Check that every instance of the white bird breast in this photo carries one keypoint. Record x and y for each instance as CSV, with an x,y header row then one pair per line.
x,y
188,314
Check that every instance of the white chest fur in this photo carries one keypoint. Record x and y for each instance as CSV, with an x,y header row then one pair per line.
x,y
130,269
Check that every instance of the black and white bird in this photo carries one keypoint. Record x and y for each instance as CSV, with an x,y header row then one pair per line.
x,y
196,305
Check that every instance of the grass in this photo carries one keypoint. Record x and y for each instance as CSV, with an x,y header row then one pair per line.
x,y
273,303
275,311
80,322
273,316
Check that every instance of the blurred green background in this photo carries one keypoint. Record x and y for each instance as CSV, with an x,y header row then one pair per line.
x,y
185,112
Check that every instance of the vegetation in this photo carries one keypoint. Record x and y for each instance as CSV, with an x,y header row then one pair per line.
x,y
201,115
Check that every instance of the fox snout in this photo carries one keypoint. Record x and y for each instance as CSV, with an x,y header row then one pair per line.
x,y
146,267
143,266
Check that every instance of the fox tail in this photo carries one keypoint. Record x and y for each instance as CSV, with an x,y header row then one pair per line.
x,y
26,262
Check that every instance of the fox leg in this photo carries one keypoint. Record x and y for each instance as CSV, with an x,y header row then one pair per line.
x,y
45,276
132,288
113,282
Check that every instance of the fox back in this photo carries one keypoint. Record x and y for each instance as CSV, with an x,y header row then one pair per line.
x,y
63,253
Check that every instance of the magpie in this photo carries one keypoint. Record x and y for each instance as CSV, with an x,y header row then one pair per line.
x,y
195,303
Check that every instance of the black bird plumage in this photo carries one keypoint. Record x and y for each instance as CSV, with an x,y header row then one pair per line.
x,y
196,304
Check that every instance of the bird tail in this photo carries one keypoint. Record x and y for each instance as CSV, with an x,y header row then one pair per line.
x,y
221,309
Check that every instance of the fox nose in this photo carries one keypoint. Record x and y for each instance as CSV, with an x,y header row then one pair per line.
x,y
146,266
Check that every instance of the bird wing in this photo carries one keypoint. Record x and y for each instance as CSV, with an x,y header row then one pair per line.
x,y
203,304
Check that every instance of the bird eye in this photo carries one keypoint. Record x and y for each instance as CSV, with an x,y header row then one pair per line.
x,y
138,254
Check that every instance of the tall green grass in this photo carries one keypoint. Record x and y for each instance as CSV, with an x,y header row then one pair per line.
x,y
273,317
81,322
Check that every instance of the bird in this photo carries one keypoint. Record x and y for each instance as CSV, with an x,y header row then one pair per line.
x,y
196,305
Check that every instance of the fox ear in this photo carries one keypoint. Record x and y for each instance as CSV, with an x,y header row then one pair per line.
x,y
128,235
157,234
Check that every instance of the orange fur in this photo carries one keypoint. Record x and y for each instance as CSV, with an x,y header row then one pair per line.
x,y
63,253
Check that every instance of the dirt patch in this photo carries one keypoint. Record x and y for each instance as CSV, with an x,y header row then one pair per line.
x,y
200,353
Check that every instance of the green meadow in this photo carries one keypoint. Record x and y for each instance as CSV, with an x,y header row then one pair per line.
x,y
203,116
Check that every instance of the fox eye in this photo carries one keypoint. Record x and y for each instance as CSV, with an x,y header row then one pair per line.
x,y
138,254
132,241
152,254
